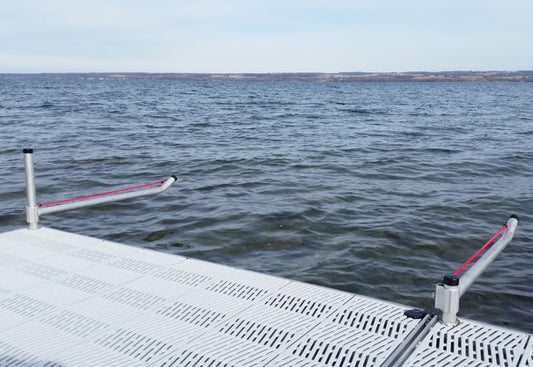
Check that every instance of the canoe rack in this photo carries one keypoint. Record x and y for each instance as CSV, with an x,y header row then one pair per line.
x,y
35,210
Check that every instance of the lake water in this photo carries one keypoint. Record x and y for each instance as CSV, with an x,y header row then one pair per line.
x,y
378,189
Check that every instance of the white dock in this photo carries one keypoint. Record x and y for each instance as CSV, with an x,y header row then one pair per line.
x,y
71,300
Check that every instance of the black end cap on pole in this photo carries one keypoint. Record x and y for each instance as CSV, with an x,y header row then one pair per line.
x,y
174,177
450,279
515,217
27,151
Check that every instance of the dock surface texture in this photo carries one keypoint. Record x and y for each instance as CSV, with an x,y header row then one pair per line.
x,y
72,300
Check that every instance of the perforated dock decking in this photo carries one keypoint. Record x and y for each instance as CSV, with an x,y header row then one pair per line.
x,y
71,300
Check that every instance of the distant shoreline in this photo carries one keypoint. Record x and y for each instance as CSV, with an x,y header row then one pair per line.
x,y
351,77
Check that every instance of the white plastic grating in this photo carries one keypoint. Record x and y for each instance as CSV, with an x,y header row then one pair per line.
x,y
361,332
472,344
70,300
527,360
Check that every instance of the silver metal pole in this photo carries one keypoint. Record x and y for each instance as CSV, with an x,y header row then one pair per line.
x,y
107,199
488,257
452,288
32,214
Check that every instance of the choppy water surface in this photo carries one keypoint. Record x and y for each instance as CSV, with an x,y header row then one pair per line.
x,y
377,188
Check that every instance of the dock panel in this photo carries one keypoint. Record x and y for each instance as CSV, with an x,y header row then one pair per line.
x,y
71,300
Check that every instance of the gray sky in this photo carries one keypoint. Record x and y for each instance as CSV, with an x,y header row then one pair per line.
x,y
265,35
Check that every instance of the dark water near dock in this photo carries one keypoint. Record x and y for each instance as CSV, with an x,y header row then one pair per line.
x,y
372,188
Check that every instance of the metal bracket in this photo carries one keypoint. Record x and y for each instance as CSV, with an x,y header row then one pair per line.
x,y
447,300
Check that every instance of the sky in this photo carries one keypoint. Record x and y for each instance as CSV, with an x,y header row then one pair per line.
x,y
265,36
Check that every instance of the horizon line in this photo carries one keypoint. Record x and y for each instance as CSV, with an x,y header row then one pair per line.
x,y
270,72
